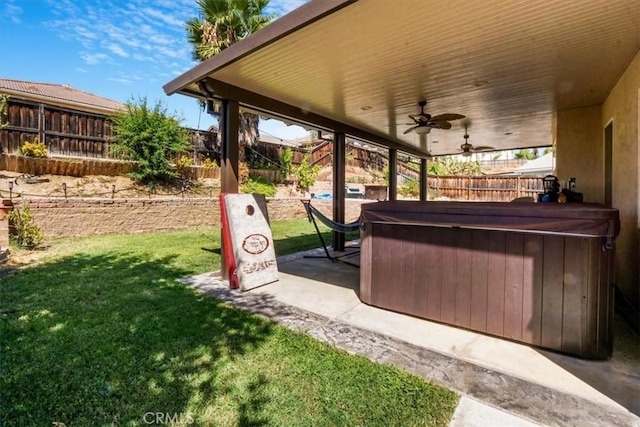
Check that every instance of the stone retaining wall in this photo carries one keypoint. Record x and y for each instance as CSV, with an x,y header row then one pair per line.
x,y
82,217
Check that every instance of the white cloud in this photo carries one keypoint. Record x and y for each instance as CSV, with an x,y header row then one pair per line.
x,y
164,17
117,50
282,7
95,58
12,13
81,70
119,80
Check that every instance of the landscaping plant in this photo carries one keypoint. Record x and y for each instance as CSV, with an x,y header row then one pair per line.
x,y
259,185
34,148
149,136
286,164
27,234
4,107
306,174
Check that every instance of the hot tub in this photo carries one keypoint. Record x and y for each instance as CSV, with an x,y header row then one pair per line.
x,y
536,273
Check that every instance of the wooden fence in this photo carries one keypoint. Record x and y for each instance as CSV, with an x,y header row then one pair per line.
x,y
485,188
68,132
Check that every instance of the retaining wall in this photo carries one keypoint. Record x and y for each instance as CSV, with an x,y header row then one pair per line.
x,y
82,217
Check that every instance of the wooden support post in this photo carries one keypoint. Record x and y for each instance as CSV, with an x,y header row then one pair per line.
x,y
230,121
229,153
339,164
393,174
424,187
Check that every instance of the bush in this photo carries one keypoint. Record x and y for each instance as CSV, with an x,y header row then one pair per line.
x,y
4,107
208,163
243,173
410,187
286,160
306,174
34,149
149,136
27,234
259,185
183,165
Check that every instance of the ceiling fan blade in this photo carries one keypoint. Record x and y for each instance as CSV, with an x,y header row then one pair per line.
x,y
447,117
483,148
420,118
440,124
410,129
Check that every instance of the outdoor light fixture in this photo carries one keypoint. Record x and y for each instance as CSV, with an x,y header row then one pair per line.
x,y
64,188
10,189
422,130
113,191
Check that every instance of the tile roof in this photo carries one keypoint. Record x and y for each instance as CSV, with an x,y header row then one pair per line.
x,y
64,93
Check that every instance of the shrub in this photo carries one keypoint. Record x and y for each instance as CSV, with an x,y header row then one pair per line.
x,y
410,187
34,149
183,166
259,185
4,107
208,163
27,234
150,136
306,174
243,173
286,159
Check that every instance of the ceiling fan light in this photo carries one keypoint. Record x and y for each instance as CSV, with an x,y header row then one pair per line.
x,y
466,153
422,130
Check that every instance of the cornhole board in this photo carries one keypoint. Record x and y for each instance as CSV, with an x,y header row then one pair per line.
x,y
247,241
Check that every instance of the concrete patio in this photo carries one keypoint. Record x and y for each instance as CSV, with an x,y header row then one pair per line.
x,y
501,382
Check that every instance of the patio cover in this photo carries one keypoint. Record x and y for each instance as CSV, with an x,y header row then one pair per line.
x,y
360,67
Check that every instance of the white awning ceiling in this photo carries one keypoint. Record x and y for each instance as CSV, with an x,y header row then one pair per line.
x,y
507,65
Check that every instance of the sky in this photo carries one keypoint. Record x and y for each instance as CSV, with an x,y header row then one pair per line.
x,y
117,49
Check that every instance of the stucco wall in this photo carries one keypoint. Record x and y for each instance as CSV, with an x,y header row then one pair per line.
x,y
621,108
82,217
579,152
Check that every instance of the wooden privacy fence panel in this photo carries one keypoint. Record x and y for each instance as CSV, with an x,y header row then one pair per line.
x,y
486,188
68,132
63,131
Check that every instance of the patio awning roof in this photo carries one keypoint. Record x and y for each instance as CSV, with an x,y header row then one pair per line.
x,y
361,66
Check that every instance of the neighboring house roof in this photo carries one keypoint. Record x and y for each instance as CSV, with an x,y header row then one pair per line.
x,y
59,95
542,165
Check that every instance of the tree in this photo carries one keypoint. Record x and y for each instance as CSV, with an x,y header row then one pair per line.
x,y
526,154
4,103
149,136
222,23
306,173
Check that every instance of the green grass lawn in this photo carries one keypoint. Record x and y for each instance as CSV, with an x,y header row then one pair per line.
x,y
100,333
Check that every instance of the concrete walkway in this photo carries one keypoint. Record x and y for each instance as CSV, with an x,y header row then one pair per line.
x,y
501,383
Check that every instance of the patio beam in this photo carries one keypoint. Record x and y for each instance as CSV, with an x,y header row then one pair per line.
x,y
339,156
280,110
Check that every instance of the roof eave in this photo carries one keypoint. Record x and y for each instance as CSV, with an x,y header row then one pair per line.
x,y
96,109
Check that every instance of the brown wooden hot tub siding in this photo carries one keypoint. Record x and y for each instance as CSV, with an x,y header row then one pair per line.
x,y
547,290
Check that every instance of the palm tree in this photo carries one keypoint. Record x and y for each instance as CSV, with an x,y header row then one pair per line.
x,y
222,23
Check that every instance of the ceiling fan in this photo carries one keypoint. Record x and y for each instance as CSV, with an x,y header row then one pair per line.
x,y
423,122
468,149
